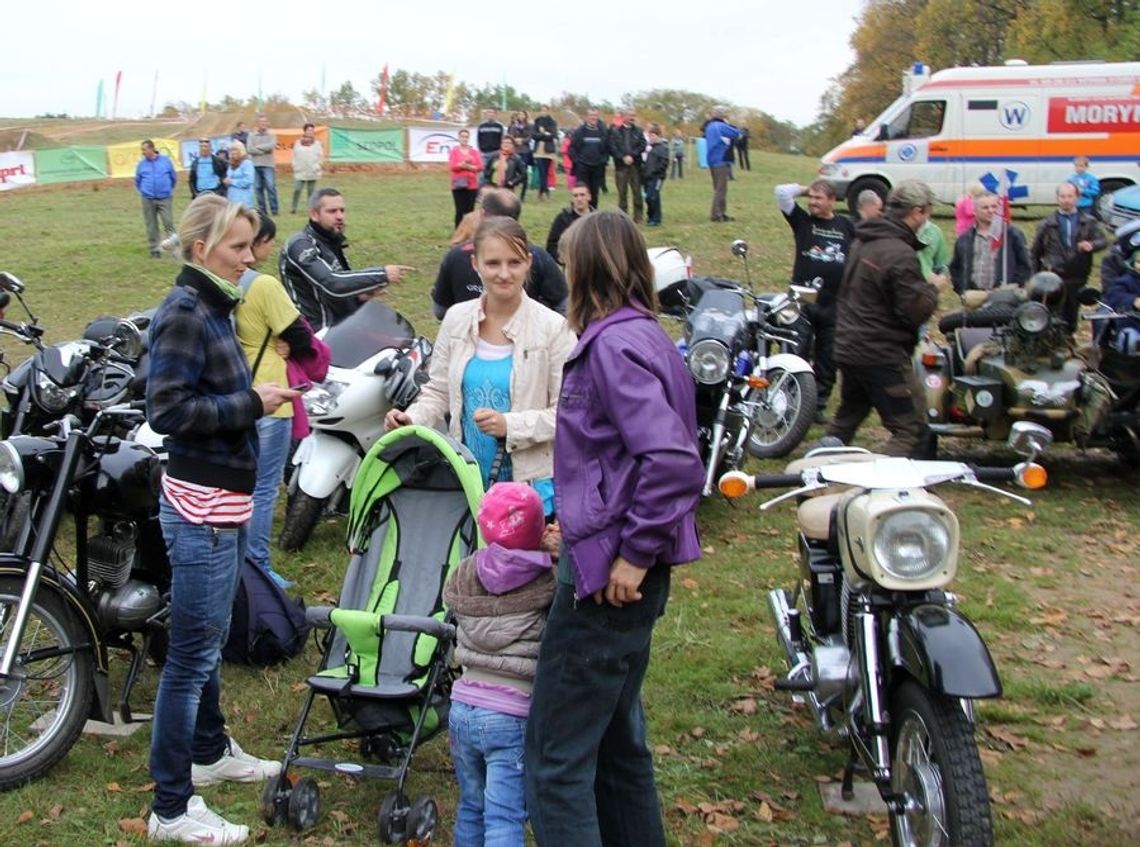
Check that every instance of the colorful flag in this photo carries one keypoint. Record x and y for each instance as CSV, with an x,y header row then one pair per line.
x,y
450,96
381,103
115,100
99,100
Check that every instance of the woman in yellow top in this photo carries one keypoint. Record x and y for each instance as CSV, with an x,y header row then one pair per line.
x,y
270,329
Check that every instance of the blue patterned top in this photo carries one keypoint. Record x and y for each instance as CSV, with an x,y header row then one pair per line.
x,y
486,385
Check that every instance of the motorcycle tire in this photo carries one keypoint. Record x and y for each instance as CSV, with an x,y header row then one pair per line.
x,y
933,749
777,427
55,693
302,513
995,314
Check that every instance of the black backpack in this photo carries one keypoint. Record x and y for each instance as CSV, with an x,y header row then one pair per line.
x,y
267,626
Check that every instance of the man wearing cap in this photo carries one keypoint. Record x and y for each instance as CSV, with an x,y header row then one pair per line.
x,y
883,301
207,170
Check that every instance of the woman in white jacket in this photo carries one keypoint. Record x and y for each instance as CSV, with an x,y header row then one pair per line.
x,y
308,156
497,367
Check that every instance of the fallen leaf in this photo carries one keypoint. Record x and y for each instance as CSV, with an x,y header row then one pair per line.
x,y
25,816
1015,742
1123,723
114,787
745,706
338,816
697,732
111,748
55,811
690,583
718,822
765,812
663,750
133,826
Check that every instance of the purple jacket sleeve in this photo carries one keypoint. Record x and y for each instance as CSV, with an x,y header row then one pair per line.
x,y
654,433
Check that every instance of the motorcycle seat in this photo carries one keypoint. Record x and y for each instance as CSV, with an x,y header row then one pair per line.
x,y
814,515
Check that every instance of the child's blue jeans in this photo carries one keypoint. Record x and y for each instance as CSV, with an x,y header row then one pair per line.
x,y
487,749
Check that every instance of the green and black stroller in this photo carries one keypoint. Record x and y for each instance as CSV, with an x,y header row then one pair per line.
x,y
385,665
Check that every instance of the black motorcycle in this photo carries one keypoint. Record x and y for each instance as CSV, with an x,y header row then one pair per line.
x,y
58,620
747,399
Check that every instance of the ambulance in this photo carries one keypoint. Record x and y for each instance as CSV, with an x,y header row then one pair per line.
x,y
1016,128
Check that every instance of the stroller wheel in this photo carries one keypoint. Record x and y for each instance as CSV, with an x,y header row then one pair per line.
x,y
304,804
275,799
422,820
393,817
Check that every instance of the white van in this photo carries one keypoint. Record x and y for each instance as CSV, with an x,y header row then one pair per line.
x,y
1016,128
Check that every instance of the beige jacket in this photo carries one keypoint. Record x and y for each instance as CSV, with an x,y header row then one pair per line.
x,y
542,342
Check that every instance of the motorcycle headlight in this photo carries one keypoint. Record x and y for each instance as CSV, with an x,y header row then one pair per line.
x,y
709,361
11,469
1032,318
912,544
320,400
51,396
788,314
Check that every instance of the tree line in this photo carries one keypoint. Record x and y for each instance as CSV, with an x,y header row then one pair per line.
x,y
892,35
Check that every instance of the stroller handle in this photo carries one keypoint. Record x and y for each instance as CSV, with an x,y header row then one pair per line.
x,y
419,623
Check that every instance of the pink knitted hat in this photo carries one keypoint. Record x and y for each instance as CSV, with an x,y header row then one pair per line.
x,y
511,515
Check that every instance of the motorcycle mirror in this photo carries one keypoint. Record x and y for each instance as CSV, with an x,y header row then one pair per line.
x,y
5,299
1029,439
383,367
740,248
1089,296
10,282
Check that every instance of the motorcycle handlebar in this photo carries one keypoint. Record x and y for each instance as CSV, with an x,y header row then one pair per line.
x,y
994,474
12,326
777,480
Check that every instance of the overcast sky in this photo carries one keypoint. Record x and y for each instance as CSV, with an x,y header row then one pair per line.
x,y
775,56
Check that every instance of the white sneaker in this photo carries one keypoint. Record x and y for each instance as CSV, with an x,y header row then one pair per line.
x,y
170,243
197,826
235,766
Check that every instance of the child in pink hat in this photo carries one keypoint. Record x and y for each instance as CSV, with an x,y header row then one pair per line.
x,y
500,597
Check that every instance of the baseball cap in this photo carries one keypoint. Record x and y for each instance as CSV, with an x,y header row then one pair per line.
x,y
910,194
511,516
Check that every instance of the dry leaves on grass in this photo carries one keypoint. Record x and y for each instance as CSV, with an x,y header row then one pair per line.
x,y
1007,738
133,826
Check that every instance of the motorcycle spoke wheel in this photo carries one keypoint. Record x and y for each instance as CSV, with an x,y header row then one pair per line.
x,y
45,702
780,415
935,767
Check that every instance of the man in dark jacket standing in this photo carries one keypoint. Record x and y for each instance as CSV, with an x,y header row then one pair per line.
x,y
883,301
315,271
627,145
1064,244
489,135
579,206
589,150
991,253
653,173
207,170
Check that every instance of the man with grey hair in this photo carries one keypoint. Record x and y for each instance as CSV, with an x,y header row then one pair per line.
x,y
261,147
991,252
884,300
868,204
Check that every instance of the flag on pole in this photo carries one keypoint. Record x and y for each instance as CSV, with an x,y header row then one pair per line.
x,y
450,96
202,100
115,99
324,90
99,100
381,103
503,95
154,93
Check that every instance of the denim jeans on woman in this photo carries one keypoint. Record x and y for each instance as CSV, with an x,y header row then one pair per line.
x,y
188,723
589,769
487,750
274,436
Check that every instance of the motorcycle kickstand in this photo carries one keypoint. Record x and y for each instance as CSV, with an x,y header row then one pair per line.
x,y
137,659
848,789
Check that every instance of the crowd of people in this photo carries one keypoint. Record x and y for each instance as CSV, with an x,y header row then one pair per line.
x,y
550,367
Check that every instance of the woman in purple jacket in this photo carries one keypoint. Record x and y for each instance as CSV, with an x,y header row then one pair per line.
x,y
627,481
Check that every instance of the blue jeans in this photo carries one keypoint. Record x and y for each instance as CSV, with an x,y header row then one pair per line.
x,y
653,201
589,769
274,435
188,723
487,749
265,182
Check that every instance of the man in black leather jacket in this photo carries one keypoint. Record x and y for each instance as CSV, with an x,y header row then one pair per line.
x,y
316,273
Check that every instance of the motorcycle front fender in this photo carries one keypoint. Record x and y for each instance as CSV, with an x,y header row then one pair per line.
x,y
102,708
941,650
789,362
324,462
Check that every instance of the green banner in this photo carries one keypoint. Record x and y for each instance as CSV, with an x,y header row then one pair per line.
x,y
69,164
366,145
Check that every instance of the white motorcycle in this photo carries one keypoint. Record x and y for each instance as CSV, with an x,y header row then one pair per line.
x,y
378,362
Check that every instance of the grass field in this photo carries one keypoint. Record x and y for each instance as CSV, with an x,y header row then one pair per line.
x,y
1052,589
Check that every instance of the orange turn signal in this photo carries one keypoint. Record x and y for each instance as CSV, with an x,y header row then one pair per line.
x,y
1032,476
757,382
734,484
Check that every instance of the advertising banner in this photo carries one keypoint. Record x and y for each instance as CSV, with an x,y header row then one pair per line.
x,y
71,164
17,169
367,145
1094,114
432,144
123,158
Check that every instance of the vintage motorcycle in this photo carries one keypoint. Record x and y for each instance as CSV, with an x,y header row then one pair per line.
x,y
378,363
1008,357
57,623
748,398
874,641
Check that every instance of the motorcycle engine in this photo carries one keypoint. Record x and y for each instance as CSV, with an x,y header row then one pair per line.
x,y
129,607
111,554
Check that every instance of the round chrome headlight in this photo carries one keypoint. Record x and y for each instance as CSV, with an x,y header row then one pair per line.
x,y
11,468
912,544
709,361
1032,318
128,340
788,314
51,396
